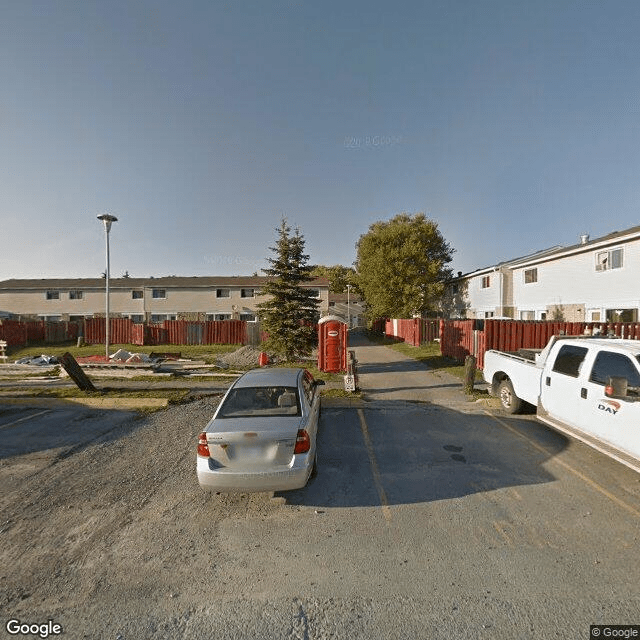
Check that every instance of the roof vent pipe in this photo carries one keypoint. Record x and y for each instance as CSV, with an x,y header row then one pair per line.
x,y
584,238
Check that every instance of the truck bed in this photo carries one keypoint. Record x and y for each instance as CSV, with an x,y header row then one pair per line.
x,y
523,372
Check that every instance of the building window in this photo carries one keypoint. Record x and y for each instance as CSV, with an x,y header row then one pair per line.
x,y
137,295
161,317
218,316
159,293
223,293
486,282
52,318
314,293
137,318
248,317
53,295
611,259
489,314
527,315
75,295
530,275
247,293
622,315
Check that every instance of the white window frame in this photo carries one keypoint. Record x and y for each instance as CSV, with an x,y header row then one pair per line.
x,y
252,289
485,283
604,259
223,290
159,297
164,316
52,294
532,274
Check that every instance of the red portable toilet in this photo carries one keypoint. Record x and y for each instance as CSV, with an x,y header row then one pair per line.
x,y
332,344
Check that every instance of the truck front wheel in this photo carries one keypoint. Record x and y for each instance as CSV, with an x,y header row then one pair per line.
x,y
509,400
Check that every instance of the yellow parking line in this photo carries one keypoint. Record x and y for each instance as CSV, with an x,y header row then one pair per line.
x,y
377,479
15,422
568,467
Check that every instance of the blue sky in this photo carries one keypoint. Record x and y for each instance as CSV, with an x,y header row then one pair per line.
x,y
513,124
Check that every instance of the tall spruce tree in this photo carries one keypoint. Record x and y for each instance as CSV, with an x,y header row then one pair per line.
x,y
289,316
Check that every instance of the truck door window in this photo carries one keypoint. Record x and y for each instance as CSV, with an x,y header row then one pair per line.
x,y
569,360
609,364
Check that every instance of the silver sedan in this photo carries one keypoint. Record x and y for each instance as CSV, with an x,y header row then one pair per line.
x,y
262,436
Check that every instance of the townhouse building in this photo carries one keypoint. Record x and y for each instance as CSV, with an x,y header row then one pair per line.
x,y
593,280
144,299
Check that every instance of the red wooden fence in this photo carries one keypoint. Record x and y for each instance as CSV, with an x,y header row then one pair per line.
x,y
18,333
459,338
414,331
125,331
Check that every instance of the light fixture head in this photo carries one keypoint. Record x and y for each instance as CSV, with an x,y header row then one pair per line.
x,y
107,218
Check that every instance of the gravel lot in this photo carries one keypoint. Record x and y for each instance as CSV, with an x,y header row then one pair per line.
x,y
97,539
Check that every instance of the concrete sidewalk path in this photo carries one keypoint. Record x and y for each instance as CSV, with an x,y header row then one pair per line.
x,y
385,374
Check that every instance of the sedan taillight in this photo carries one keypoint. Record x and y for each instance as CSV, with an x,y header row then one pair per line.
x,y
303,442
203,447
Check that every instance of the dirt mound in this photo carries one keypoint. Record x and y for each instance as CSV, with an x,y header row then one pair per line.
x,y
244,357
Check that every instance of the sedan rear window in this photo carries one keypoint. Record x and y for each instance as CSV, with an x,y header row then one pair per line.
x,y
260,401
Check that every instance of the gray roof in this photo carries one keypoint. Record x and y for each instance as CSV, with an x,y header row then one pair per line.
x,y
138,283
556,251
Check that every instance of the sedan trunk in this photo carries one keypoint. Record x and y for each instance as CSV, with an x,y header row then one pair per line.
x,y
253,443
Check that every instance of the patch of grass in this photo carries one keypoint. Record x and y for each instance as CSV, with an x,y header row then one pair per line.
x,y
340,393
378,338
175,396
429,354
206,352
47,373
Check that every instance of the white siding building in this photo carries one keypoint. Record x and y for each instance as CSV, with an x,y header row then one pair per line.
x,y
593,280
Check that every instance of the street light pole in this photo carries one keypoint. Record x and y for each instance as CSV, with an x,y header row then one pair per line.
x,y
107,219
349,306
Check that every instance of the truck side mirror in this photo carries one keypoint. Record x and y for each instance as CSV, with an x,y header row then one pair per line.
x,y
617,387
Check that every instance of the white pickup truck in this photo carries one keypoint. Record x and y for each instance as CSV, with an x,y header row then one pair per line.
x,y
586,387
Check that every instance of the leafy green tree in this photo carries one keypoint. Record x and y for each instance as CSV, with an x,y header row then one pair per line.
x,y
289,316
401,266
338,275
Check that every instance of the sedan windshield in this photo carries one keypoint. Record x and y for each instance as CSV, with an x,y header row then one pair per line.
x,y
260,401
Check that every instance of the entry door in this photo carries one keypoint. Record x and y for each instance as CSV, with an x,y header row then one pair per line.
x,y
561,387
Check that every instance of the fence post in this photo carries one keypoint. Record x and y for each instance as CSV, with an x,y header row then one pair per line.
x,y
469,373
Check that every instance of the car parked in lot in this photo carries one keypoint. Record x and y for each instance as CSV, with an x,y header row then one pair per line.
x,y
262,436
